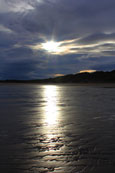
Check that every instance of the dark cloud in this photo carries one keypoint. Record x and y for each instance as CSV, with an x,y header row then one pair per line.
x,y
6,40
21,70
105,67
27,23
97,38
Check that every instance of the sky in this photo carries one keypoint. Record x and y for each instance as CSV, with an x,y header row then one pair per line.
x,y
47,38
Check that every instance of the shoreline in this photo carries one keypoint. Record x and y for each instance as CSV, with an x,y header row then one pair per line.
x,y
105,85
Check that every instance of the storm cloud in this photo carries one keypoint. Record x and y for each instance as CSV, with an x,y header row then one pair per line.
x,y
85,30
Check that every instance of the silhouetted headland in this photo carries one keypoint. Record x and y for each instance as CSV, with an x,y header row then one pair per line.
x,y
85,77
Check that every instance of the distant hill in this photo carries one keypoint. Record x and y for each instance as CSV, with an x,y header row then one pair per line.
x,y
85,77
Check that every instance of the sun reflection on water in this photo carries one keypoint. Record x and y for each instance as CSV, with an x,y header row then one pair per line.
x,y
51,109
51,116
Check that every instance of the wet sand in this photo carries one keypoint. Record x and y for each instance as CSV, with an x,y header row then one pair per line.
x,y
57,128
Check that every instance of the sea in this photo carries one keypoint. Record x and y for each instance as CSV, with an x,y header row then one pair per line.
x,y
57,128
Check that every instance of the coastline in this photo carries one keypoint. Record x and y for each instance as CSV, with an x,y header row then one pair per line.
x,y
104,85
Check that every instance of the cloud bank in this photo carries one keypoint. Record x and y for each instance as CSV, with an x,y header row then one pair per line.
x,y
84,29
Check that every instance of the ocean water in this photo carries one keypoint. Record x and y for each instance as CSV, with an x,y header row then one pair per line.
x,y
57,128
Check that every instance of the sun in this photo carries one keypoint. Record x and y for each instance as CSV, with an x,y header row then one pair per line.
x,y
51,46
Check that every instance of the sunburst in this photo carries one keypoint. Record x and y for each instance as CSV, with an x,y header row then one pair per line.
x,y
51,46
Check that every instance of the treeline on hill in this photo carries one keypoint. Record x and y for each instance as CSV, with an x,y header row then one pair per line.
x,y
95,77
